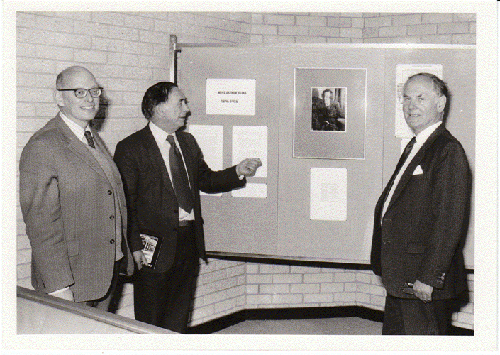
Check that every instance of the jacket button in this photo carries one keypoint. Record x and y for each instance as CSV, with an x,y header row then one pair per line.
x,y
111,217
110,192
112,241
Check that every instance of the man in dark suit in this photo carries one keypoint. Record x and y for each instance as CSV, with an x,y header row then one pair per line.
x,y
164,205
72,200
421,218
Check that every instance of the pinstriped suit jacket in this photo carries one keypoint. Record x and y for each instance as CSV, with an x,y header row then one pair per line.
x,y
68,207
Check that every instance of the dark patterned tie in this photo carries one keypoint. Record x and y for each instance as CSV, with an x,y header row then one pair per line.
x,y
179,177
90,139
401,162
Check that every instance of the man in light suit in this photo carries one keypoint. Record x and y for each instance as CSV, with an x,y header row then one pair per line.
x,y
164,289
72,200
421,219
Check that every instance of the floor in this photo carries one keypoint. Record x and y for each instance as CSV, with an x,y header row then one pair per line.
x,y
329,326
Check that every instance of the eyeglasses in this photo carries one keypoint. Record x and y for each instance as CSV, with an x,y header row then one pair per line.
x,y
81,93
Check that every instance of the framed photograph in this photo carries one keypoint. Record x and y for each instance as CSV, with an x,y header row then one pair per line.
x,y
330,113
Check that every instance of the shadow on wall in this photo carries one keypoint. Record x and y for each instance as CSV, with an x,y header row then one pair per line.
x,y
102,114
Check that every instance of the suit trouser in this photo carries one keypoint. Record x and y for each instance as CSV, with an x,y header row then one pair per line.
x,y
414,317
165,299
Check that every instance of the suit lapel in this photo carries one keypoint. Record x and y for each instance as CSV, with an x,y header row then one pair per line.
x,y
78,147
405,178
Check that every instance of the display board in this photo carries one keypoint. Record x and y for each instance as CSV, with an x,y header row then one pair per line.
x,y
255,89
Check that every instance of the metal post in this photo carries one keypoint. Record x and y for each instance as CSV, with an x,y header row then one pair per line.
x,y
172,54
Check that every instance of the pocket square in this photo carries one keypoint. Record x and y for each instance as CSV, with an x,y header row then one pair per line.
x,y
418,171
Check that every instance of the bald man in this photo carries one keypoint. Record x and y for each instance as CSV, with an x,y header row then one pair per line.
x,y
72,200
421,219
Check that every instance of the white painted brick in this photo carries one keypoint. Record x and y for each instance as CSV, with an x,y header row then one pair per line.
x,y
274,269
332,287
123,59
350,287
26,283
34,95
378,21
35,65
90,56
351,32
318,298
436,39
24,109
284,299
153,37
344,277
472,27
313,21
454,27
237,291
126,33
293,30
339,22
318,278
213,276
201,312
215,297
305,288
225,305
264,30
363,277
25,50
110,18
324,31
24,19
358,22
287,278
345,297
54,24
370,32
362,298
274,289
437,18
420,30
271,19
464,17
46,109
141,22
392,31
351,14
259,279
278,39
22,241
29,124
463,39
236,271
259,299
257,18
377,300
23,271
304,270
139,48
403,20
252,289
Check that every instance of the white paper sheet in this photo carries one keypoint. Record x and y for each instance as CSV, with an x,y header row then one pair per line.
x,y
230,97
250,142
328,194
251,190
210,138
403,72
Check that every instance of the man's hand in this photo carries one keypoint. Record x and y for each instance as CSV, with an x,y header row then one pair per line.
x,y
423,291
248,167
139,258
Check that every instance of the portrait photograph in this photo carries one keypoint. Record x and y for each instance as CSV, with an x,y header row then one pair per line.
x,y
328,109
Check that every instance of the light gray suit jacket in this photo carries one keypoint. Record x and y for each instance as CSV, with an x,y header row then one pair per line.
x,y
68,207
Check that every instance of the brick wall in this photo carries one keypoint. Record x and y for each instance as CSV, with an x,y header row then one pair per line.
x,y
127,52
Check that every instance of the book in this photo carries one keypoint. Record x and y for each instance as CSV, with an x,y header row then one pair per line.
x,y
151,248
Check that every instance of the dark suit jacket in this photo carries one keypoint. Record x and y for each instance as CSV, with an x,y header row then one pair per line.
x,y
152,204
66,200
422,233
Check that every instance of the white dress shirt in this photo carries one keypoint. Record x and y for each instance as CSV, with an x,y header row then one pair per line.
x,y
78,130
421,138
160,137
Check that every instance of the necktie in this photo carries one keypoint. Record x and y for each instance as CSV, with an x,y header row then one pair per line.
x,y
179,177
90,139
401,161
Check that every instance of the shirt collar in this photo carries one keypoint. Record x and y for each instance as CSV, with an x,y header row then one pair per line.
x,y
159,134
75,128
422,137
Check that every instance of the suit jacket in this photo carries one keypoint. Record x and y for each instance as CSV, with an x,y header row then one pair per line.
x,y
152,204
422,233
69,210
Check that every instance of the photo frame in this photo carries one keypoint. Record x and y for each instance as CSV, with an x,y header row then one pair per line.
x,y
330,113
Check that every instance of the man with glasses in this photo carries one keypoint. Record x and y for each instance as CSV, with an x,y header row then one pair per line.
x,y
72,200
